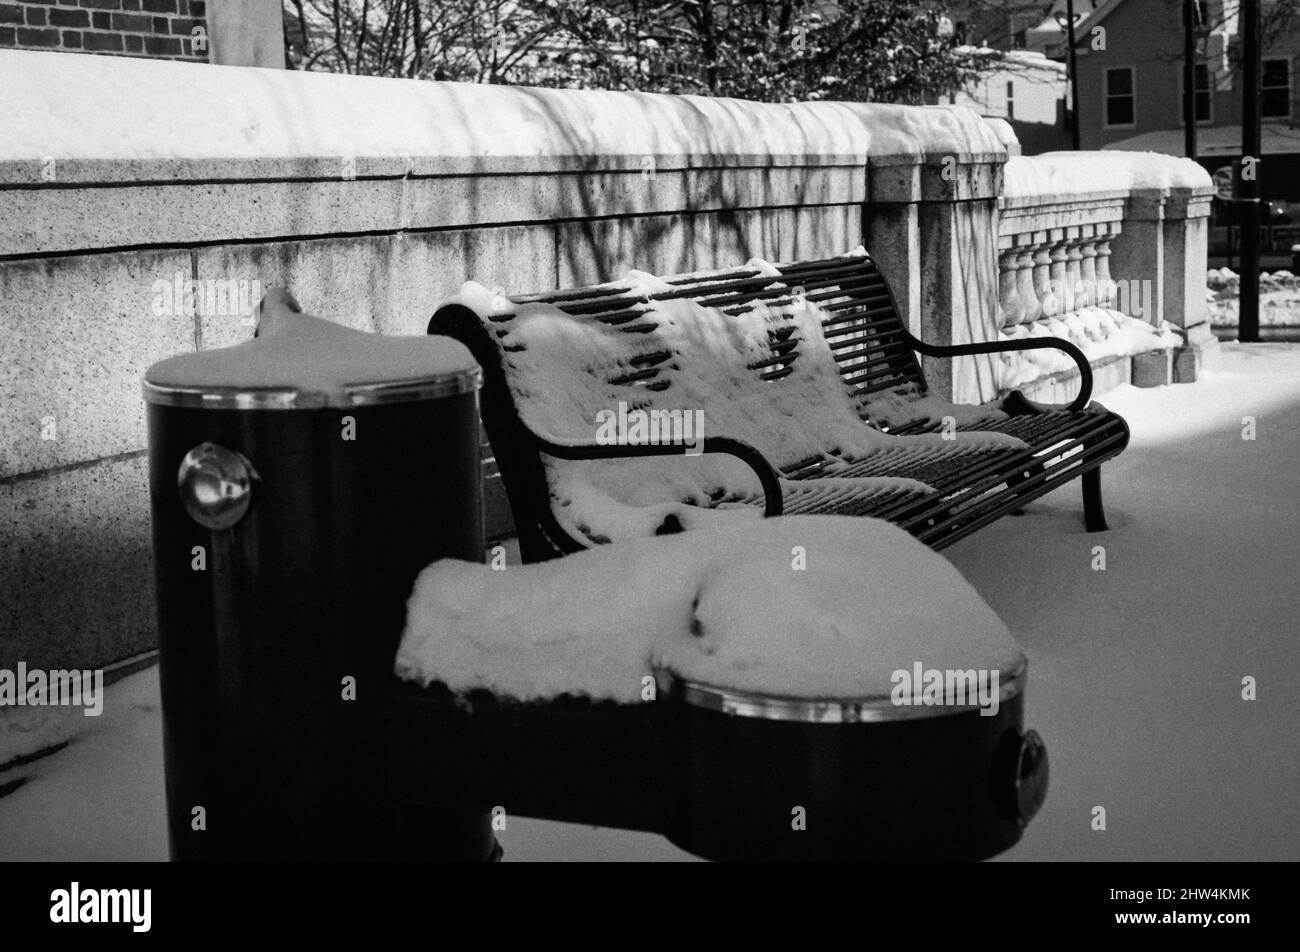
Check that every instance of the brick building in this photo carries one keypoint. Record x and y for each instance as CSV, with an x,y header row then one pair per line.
x,y
224,32
167,29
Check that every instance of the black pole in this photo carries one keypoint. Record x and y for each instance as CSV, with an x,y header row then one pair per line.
x,y
1074,77
1248,171
1189,79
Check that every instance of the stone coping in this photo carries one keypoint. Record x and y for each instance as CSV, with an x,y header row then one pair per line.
x,y
161,120
55,172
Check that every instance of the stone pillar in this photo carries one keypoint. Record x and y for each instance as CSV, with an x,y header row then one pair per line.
x,y
931,223
958,219
1185,235
1137,259
890,229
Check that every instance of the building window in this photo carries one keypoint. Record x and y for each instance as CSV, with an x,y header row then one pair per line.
x,y
1121,100
1011,100
1204,98
1275,89
1021,24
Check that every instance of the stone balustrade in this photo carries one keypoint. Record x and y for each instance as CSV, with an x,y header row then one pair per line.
x,y
1097,247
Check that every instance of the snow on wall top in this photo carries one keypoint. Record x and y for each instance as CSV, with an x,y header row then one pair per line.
x,y
1076,173
720,607
106,107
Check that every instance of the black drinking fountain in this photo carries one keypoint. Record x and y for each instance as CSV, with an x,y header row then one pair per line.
x,y
300,482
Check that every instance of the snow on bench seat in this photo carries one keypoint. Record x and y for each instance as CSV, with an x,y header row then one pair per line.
x,y
675,354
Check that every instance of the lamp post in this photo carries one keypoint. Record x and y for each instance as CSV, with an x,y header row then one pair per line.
x,y
1067,23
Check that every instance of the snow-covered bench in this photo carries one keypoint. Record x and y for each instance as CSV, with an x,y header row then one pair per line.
x,y
797,385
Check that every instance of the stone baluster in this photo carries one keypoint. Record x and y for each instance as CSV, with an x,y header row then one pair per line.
x,y
1074,275
1031,306
1087,274
1060,283
1105,284
1010,308
1049,304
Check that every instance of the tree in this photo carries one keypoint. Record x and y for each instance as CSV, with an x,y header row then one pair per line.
x,y
470,40
771,50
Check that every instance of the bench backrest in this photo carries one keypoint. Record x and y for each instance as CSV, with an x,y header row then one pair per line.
x,y
634,361
863,325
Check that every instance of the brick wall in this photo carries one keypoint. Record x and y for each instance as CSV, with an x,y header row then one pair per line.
x,y
161,29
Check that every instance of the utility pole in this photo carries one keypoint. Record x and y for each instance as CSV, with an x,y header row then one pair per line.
x,y
1248,175
1074,73
1189,79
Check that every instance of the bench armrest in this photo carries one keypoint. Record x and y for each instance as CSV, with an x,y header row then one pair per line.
x,y
1006,346
773,501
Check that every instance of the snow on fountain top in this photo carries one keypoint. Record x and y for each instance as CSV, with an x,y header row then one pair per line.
x,y
328,362
726,607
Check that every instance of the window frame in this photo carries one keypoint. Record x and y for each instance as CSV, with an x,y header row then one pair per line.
x,y
1208,92
1107,96
1290,87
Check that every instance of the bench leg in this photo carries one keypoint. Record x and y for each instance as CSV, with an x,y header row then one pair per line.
x,y
1094,514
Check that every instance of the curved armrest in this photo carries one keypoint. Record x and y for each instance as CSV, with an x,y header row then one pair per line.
x,y
1006,346
774,503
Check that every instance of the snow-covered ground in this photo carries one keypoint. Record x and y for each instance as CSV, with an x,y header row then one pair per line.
x,y
1135,671
1279,298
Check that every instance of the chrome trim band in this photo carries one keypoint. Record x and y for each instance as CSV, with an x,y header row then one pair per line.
x,y
469,380
866,710
289,398
268,399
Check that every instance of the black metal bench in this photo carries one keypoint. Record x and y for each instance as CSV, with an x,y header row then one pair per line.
x,y
875,357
